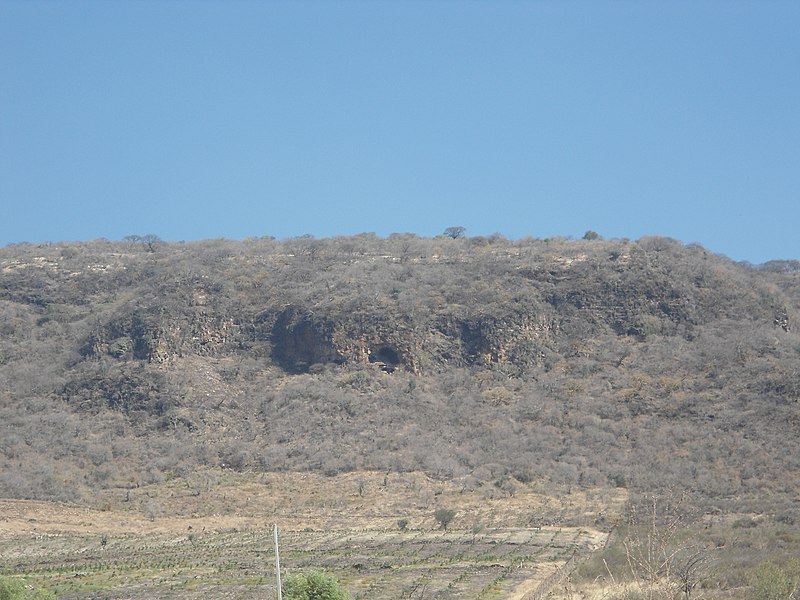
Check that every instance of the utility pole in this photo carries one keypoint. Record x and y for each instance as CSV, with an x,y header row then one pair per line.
x,y
278,564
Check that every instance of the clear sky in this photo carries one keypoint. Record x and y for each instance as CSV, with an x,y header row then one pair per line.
x,y
199,119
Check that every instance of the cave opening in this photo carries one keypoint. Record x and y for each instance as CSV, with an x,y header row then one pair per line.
x,y
387,357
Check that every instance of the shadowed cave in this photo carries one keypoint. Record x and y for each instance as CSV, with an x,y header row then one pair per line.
x,y
387,357
300,341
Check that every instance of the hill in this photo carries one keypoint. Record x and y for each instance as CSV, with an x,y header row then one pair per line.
x,y
645,364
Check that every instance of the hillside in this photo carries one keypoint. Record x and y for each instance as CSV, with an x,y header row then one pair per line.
x,y
641,364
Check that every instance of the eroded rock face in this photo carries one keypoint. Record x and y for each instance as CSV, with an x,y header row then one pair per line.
x,y
156,336
523,309
297,338
301,340
486,340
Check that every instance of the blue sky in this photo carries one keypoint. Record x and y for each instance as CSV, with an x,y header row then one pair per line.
x,y
232,119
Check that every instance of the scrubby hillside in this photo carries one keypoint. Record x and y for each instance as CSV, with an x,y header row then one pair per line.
x,y
644,364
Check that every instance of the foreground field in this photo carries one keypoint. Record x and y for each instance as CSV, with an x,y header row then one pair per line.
x,y
238,563
211,537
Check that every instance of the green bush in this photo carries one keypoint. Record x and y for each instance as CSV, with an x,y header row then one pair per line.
x,y
15,589
444,516
314,586
771,582
744,523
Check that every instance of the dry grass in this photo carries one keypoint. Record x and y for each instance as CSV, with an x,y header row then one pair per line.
x,y
210,535
306,500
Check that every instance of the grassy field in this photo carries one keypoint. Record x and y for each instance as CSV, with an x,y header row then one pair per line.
x,y
211,536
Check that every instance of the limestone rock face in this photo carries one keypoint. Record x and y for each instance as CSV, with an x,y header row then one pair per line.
x,y
517,306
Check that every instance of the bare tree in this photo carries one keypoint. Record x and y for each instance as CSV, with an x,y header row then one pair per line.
x,y
660,566
691,569
455,232
149,241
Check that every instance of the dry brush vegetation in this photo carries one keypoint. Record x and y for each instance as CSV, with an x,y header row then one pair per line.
x,y
575,370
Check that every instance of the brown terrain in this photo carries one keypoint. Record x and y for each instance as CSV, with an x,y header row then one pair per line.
x,y
143,539
162,405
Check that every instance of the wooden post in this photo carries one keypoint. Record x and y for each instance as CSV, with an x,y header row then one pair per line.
x,y
278,564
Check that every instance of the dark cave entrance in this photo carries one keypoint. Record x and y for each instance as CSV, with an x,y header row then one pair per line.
x,y
386,357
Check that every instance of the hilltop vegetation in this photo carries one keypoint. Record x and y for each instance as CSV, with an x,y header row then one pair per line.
x,y
642,364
